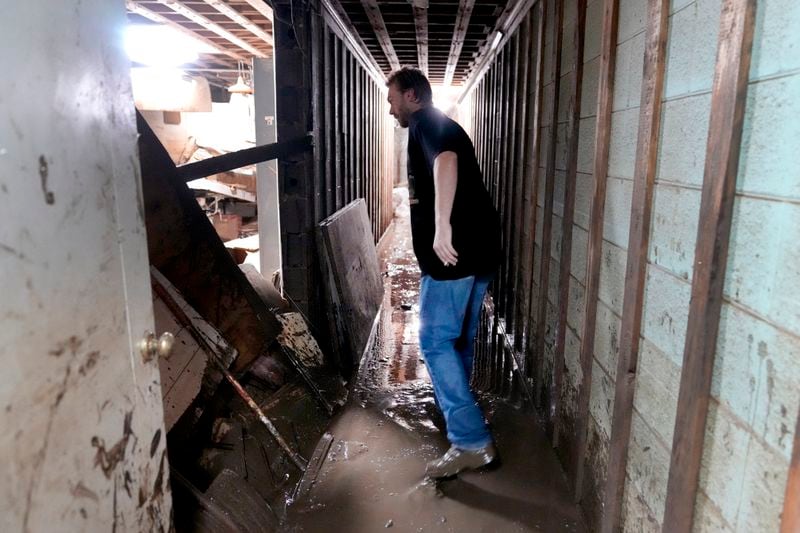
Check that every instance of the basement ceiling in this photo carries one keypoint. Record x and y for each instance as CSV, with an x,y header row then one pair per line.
x,y
413,32
443,38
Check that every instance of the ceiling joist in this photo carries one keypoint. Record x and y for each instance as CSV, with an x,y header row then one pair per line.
x,y
142,11
261,7
421,26
460,31
206,23
379,27
240,19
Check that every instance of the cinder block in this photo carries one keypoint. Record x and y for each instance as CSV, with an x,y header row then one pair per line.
x,y
617,214
622,148
594,30
763,259
298,251
628,73
768,162
564,91
584,187
591,79
692,48
683,139
722,472
561,148
601,402
673,233
636,516
763,489
558,232
560,184
576,308
567,43
612,276
632,15
756,376
776,44
656,395
606,339
580,243
707,517
572,357
648,467
666,312
586,140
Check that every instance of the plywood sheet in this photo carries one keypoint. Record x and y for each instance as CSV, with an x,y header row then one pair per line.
x,y
357,289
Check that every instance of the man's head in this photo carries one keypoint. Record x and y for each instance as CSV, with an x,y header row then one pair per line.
x,y
409,91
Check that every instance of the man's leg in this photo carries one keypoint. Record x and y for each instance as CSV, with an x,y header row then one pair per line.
x,y
443,310
466,342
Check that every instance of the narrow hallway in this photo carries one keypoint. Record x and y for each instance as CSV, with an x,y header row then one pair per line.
x,y
372,477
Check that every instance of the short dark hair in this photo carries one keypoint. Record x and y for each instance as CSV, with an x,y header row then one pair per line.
x,y
407,78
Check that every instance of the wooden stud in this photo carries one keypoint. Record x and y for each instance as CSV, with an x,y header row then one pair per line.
x,y
318,115
549,189
515,239
565,264
728,98
337,131
533,158
638,245
790,522
605,97
330,125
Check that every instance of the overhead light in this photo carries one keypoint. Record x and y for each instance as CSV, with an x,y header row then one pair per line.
x,y
497,38
240,87
158,45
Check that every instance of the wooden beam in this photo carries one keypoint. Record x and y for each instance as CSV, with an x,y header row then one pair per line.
x,y
262,7
343,28
515,324
421,27
534,155
507,23
573,130
242,158
605,98
208,24
379,27
549,190
638,245
140,10
790,522
728,98
241,20
462,24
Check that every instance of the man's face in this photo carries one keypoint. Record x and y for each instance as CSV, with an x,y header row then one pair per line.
x,y
401,104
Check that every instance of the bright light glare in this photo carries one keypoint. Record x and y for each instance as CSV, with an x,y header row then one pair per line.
x,y
445,96
161,46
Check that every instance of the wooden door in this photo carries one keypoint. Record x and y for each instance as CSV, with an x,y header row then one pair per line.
x,y
82,442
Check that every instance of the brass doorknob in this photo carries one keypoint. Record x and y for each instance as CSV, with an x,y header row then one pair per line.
x,y
151,347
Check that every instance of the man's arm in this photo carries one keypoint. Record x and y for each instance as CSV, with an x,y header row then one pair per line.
x,y
445,179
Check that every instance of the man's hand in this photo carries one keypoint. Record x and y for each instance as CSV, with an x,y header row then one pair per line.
x,y
443,244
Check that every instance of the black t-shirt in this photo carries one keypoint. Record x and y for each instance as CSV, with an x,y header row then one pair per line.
x,y
475,223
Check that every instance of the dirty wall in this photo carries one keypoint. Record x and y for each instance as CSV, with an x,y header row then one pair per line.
x,y
753,404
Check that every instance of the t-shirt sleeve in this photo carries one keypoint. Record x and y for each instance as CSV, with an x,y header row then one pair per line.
x,y
436,139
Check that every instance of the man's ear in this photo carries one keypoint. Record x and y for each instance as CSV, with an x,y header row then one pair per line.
x,y
412,96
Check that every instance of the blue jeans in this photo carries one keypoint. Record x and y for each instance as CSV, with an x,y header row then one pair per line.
x,y
449,312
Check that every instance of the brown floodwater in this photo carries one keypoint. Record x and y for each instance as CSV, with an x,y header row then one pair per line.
x,y
372,478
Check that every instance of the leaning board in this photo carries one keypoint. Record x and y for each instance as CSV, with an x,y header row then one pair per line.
x,y
356,289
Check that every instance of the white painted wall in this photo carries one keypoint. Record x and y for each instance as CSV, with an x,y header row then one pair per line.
x,y
82,446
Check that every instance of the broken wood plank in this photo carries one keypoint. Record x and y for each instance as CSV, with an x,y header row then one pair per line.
x,y
314,466
243,158
573,130
638,245
605,97
183,245
728,98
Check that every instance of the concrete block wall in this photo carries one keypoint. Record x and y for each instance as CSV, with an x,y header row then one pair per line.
x,y
756,380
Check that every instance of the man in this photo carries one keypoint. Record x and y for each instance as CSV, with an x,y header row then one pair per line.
x,y
456,235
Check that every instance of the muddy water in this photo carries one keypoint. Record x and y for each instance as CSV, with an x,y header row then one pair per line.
x,y
372,479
